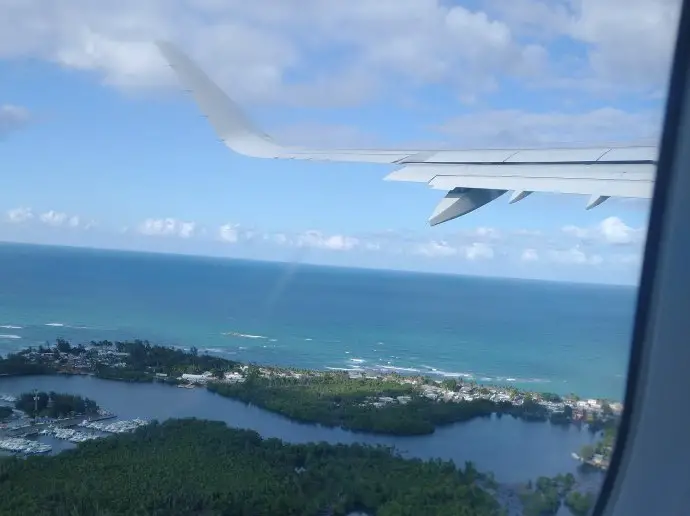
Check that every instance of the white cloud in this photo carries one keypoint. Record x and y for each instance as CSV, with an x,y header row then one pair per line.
x,y
12,117
316,239
615,231
435,249
21,214
50,218
442,248
167,227
345,51
489,233
575,256
635,50
631,51
478,251
229,233
278,238
53,218
529,255
611,230
348,51
576,231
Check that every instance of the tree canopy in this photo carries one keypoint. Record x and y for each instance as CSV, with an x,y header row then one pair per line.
x,y
183,467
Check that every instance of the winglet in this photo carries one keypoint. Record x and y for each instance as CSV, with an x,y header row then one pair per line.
x,y
230,124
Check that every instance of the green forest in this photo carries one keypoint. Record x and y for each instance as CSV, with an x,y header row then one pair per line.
x,y
333,400
55,404
189,466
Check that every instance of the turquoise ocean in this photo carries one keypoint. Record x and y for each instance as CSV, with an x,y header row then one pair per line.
x,y
547,336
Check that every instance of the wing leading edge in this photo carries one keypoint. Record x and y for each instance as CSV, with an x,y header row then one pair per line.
x,y
471,178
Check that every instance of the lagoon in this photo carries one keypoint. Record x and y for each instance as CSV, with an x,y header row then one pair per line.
x,y
514,450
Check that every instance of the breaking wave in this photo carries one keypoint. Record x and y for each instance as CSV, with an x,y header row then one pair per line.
x,y
244,335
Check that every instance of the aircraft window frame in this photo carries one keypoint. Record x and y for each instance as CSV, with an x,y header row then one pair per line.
x,y
650,466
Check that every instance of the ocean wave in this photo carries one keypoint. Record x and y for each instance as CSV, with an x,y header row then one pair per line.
x,y
244,335
446,374
308,339
357,360
401,369
452,374
10,327
77,326
7,336
345,368
511,379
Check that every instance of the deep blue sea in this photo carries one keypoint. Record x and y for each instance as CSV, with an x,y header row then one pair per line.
x,y
545,336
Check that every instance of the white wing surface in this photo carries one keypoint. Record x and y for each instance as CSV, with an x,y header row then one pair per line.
x,y
471,178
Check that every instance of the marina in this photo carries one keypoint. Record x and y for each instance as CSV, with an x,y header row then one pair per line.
x,y
23,446
17,433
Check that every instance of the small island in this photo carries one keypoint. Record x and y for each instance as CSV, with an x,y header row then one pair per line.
x,y
369,401
55,405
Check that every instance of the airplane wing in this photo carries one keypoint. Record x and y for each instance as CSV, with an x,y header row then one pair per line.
x,y
472,178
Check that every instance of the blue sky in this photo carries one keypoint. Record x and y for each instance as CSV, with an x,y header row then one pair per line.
x,y
100,149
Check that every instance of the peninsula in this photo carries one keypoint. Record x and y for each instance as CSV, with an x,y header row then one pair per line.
x,y
375,402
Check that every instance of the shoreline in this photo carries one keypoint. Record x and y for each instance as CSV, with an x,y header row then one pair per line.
x,y
431,375
385,403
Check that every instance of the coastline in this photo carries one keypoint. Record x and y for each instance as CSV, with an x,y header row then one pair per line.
x,y
372,402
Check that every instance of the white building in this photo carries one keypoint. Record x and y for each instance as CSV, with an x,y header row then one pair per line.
x,y
198,378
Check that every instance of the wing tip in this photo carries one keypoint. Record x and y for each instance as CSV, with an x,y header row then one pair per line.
x,y
231,125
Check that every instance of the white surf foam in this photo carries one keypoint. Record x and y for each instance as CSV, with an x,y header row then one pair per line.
x,y
6,336
10,327
243,335
402,369
446,374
